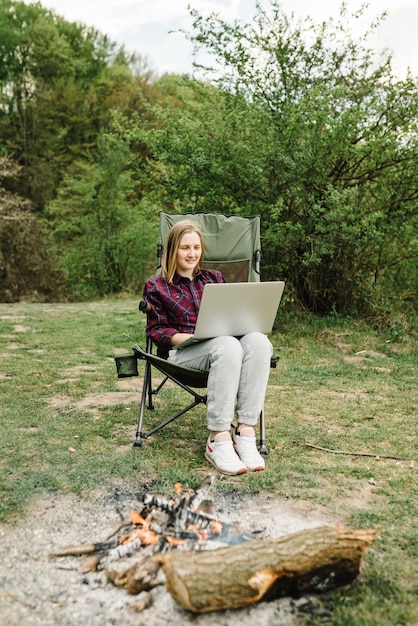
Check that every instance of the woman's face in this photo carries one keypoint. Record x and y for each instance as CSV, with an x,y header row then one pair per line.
x,y
188,254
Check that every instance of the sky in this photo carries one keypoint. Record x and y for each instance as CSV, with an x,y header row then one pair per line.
x,y
151,27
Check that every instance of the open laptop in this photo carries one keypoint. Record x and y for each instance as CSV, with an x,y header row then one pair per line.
x,y
236,309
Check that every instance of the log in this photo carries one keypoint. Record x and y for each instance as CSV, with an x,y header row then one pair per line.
x,y
136,574
312,560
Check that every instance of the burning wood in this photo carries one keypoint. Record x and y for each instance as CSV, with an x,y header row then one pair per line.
x,y
209,565
164,524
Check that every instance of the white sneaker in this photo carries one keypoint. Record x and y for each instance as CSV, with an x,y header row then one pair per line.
x,y
223,456
246,448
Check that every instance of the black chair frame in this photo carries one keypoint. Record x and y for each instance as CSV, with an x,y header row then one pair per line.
x,y
188,379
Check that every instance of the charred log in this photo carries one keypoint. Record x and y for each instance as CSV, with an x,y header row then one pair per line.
x,y
308,561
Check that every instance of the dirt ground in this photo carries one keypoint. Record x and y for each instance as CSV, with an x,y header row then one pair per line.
x,y
39,590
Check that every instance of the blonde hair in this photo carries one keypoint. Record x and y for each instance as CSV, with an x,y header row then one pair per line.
x,y
174,237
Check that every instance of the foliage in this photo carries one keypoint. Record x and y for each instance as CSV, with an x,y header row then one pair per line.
x,y
105,236
50,110
27,265
60,84
299,123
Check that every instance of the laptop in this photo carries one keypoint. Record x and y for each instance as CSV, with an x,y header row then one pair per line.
x,y
236,309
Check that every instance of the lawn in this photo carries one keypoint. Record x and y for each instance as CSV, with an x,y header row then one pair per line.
x,y
341,414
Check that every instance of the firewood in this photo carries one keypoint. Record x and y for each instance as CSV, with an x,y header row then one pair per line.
x,y
180,514
84,548
91,564
144,578
135,574
142,602
307,561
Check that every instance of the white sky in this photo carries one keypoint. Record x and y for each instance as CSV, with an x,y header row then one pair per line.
x,y
144,26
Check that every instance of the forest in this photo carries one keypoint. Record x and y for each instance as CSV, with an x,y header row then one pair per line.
x,y
301,123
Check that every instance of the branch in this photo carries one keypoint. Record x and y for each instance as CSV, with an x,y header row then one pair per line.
x,y
84,548
380,456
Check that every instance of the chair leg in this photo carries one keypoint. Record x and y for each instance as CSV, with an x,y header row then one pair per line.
x,y
198,400
262,442
146,391
158,389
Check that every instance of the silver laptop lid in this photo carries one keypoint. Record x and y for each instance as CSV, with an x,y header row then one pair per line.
x,y
238,308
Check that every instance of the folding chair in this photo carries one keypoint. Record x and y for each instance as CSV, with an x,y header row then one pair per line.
x,y
232,246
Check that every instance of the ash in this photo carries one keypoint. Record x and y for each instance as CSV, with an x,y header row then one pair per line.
x,y
37,590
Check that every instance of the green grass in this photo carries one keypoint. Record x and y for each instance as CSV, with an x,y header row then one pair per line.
x,y
339,384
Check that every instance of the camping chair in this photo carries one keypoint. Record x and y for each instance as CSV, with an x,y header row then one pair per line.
x,y
232,246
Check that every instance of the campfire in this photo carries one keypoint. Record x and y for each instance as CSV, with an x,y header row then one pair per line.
x,y
208,564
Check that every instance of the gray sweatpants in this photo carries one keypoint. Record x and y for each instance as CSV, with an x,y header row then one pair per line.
x,y
238,376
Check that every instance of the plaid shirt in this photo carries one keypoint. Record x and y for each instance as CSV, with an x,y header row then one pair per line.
x,y
175,305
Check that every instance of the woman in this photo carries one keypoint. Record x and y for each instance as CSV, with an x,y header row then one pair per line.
x,y
238,367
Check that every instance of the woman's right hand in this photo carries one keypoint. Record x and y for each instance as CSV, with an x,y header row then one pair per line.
x,y
179,338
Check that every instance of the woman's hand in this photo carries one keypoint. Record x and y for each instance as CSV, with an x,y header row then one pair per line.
x,y
179,338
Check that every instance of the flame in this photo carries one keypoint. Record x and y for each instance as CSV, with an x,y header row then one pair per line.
x,y
193,527
147,537
136,518
216,527
175,542
202,535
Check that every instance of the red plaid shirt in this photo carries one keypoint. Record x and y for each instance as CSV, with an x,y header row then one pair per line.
x,y
175,305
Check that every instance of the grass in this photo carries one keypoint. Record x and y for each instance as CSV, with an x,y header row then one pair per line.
x,y
339,385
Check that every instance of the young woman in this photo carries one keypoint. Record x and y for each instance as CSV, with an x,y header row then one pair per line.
x,y
238,366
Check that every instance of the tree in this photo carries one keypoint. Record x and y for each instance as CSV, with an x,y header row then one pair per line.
x,y
53,92
104,234
300,123
27,267
60,85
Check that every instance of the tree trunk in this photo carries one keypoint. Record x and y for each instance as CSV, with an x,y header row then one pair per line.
x,y
311,560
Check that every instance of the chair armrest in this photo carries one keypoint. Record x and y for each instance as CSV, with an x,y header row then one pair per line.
x,y
274,359
144,306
